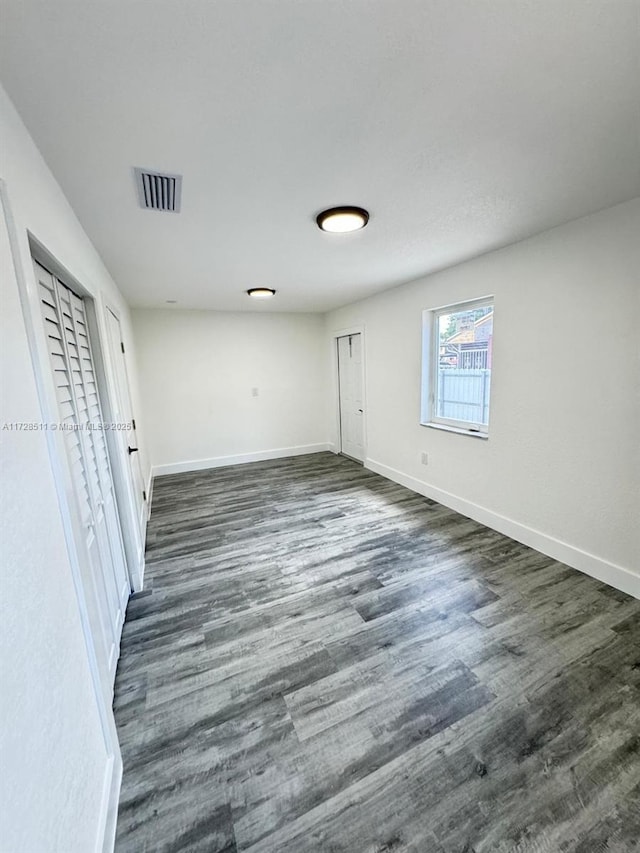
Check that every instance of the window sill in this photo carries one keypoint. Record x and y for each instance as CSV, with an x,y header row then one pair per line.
x,y
458,430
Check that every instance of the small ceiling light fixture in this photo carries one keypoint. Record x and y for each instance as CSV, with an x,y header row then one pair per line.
x,y
261,292
340,220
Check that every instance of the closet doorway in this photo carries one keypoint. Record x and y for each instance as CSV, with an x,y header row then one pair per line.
x,y
91,498
350,395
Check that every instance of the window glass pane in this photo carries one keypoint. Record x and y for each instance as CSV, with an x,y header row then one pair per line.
x,y
463,371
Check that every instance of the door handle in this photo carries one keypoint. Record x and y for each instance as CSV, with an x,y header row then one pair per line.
x,y
132,450
361,410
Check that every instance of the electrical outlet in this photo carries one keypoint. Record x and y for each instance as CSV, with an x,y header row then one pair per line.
x,y
424,458
254,392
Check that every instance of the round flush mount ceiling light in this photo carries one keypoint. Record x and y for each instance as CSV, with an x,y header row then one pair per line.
x,y
261,292
341,220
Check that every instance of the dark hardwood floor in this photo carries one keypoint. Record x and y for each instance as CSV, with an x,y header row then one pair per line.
x,y
325,661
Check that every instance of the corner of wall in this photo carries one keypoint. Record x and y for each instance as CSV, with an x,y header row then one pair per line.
x,y
617,576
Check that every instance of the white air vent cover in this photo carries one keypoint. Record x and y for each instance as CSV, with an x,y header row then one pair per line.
x,y
158,191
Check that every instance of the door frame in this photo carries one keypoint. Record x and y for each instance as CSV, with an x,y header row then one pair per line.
x,y
24,246
104,381
356,329
122,478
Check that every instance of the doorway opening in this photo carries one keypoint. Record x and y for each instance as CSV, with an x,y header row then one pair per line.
x,y
351,415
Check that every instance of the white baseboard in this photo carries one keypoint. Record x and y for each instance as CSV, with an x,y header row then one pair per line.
x,y
239,459
149,492
111,800
138,582
610,573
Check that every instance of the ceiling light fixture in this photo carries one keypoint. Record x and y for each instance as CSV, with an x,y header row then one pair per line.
x,y
261,292
340,220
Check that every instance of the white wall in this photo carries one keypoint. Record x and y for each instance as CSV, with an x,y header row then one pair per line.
x,y
197,372
561,468
53,749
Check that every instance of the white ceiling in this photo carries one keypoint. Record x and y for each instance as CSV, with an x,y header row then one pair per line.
x,y
461,125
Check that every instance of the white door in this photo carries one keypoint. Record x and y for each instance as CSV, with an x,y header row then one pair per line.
x,y
128,439
104,577
350,396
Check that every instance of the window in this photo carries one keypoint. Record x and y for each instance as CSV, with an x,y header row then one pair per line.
x,y
456,366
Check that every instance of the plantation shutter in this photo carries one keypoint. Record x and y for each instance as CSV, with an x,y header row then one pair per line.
x,y
105,581
57,330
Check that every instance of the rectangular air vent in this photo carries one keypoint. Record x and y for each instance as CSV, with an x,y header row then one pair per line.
x,y
158,191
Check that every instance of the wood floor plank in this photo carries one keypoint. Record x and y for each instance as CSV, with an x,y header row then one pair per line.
x,y
325,661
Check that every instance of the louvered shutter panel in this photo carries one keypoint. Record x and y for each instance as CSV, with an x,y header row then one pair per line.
x,y
77,342
104,578
56,329
91,400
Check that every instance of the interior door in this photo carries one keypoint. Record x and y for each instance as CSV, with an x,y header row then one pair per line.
x,y
128,439
105,510
350,396
101,558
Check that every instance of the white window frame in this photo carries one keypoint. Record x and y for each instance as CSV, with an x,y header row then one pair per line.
x,y
430,362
